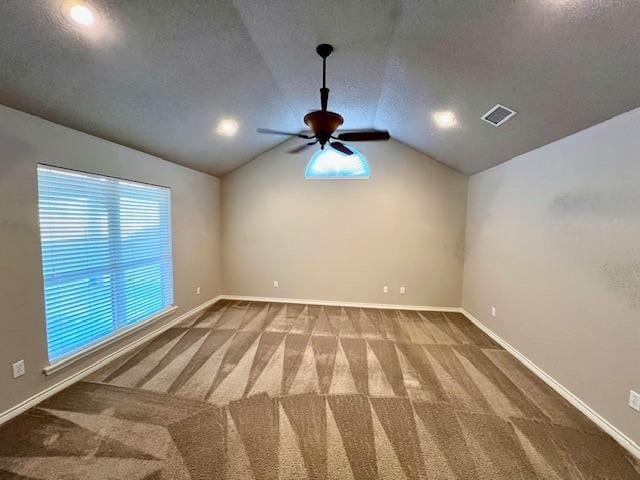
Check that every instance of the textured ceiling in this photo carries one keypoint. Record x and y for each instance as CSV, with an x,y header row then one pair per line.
x,y
157,75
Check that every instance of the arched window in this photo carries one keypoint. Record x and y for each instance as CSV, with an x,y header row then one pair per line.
x,y
330,164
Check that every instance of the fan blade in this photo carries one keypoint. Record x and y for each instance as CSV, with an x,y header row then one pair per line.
x,y
366,136
301,147
341,148
278,132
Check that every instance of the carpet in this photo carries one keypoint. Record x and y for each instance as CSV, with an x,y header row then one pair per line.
x,y
268,391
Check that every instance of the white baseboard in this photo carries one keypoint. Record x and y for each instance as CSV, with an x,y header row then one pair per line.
x,y
340,303
76,377
627,443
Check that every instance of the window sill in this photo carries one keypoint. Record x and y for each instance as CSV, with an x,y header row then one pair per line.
x,y
102,344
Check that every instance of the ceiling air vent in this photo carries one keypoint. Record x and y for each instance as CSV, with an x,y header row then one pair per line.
x,y
498,115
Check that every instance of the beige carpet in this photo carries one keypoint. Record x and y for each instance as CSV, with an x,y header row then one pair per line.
x,y
268,391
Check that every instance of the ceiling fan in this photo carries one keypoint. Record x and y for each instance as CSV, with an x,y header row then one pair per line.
x,y
324,123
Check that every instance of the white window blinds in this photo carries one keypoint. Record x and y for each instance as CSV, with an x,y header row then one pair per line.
x,y
106,254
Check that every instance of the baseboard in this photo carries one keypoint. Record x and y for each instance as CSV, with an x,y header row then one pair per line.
x,y
627,443
340,304
76,377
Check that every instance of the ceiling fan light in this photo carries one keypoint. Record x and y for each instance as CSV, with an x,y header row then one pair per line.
x,y
331,164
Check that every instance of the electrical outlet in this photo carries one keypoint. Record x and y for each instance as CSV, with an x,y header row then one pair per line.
x,y
385,289
276,284
403,290
493,311
18,369
634,400
197,290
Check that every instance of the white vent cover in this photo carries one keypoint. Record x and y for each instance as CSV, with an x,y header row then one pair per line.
x,y
498,115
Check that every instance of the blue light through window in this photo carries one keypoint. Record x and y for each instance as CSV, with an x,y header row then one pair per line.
x,y
329,163
106,256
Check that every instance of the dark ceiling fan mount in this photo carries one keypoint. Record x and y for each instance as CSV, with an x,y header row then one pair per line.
x,y
324,123
324,50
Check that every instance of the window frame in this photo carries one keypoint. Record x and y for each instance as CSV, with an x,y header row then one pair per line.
x,y
121,329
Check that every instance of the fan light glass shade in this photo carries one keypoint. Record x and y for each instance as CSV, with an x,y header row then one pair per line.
x,y
331,164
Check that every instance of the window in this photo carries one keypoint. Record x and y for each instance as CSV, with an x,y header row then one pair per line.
x,y
106,255
329,163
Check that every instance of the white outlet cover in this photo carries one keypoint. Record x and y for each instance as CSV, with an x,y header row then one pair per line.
x,y
493,311
385,289
634,400
18,369
198,291
276,284
403,290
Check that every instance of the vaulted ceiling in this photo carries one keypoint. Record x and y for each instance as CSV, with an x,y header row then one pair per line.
x,y
157,75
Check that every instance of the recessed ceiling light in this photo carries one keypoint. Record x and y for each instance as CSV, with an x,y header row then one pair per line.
x,y
227,127
82,14
445,119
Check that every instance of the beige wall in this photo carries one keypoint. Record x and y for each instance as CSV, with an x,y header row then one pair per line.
x,y
26,140
343,240
553,242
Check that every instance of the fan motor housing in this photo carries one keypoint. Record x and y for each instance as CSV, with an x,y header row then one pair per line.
x,y
323,122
